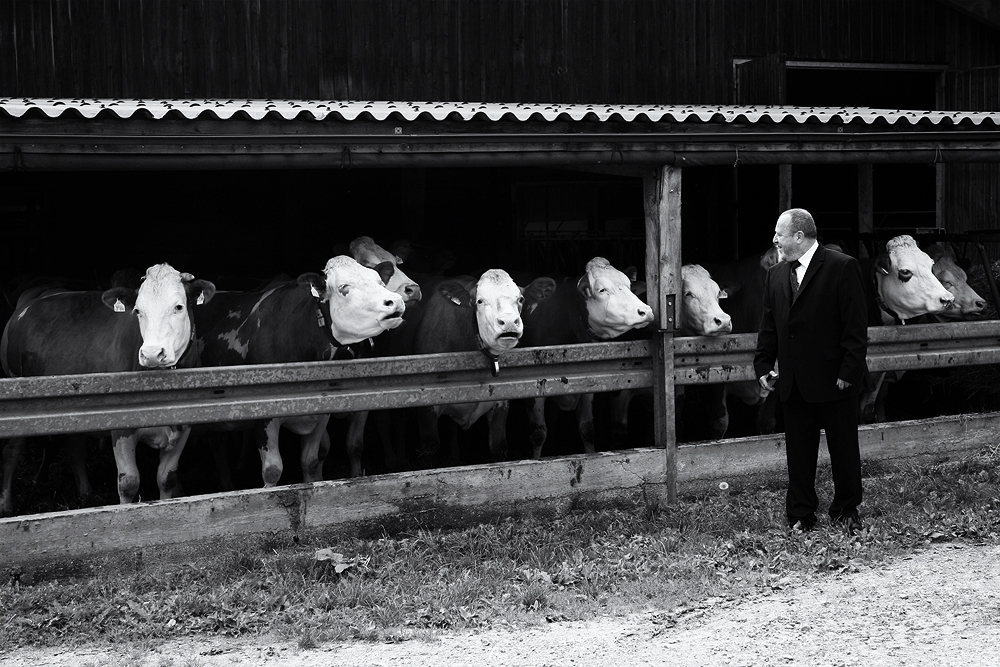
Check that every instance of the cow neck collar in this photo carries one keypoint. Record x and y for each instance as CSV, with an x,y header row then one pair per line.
x,y
494,359
880,301
350,351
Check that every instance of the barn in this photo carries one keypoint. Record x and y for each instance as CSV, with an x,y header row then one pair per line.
x,y
247,138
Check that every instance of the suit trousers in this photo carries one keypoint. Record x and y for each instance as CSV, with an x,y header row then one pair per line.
x,y
803,421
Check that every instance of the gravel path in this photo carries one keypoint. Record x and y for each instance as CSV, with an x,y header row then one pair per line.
x,y
939,607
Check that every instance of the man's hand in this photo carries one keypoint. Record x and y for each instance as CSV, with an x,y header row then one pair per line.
x,y
768,382
841,384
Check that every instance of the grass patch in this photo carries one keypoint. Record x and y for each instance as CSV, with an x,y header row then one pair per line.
x,y
511,572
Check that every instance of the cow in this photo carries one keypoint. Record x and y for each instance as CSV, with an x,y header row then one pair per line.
x,y
702,314
314,318
369,254
463,314
58,332
597,306
968,304
910,285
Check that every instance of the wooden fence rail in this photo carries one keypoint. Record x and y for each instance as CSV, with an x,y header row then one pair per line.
x,y
102,401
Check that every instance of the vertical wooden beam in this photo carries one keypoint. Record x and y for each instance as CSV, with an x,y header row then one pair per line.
x,y
939,195
866,205
662,200
784,188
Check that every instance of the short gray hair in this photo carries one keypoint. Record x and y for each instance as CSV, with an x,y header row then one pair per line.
x,y
801,221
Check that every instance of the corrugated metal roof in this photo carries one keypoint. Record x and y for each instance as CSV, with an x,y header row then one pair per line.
x,y
492,111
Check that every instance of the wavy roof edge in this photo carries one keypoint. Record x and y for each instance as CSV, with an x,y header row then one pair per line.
x,y
193,109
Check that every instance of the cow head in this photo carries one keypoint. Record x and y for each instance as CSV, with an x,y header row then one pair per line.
x,y
905,279
162,305
360,305
612,307
968,304
370,254
701,314
497,301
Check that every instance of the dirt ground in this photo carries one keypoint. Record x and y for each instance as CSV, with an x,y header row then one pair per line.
x,y
938,607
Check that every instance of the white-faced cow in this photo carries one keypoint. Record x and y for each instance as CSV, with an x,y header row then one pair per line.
x,y
122,329
597,306
462,314
309,319
909,284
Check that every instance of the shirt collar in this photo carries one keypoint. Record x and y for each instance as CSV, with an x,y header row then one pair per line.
x,y
807,256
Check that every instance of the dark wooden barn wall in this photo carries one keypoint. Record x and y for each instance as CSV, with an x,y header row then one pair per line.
x,y
600,51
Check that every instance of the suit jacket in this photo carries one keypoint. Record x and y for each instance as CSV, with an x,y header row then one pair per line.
x,y
819,337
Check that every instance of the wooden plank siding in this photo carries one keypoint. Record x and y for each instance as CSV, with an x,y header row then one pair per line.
x,y
592,51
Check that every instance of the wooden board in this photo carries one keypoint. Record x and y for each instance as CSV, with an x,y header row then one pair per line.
x,y
524,485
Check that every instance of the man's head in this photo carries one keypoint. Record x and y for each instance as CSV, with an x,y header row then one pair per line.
x,y
794,233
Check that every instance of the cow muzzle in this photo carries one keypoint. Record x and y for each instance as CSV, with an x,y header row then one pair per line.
x,y
156,357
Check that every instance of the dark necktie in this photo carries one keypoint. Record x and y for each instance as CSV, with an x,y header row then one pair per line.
x,y
793,275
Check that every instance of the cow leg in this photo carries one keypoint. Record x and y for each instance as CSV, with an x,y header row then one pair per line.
x,y
76,448
585,422
497,419
313,449
270,456
356,441
619,418
218,444
389,423
166,472
11,457
128,472
867,403
430,439
718,410
537,431
767,414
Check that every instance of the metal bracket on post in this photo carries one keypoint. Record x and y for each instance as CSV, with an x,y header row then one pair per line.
x,y
669,319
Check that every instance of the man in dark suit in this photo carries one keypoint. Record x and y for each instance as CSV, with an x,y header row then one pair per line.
x,y
816,327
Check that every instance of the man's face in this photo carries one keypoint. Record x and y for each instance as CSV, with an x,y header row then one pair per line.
x,y
790,245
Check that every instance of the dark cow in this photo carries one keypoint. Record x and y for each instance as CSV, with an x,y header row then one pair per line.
x,y
369,254
457,315
310,319
61,333
597,306
968,304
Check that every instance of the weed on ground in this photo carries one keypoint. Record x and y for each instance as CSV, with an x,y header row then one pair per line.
x,y
728,543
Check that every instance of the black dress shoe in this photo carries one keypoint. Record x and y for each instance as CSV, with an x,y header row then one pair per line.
x,y
802,526
850,522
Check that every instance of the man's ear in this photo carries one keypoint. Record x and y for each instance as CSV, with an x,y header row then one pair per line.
x,y
455,292
119,299
315,283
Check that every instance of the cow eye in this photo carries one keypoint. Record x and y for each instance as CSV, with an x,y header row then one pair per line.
x,y
179,308
344,289
905,274
479,302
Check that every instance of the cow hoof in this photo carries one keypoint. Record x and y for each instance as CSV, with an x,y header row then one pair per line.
x,y
271,475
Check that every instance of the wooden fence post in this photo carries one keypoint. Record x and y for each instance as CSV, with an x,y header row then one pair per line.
x,y
662,199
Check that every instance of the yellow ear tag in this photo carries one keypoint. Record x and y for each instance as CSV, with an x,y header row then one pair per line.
x,y
119,306
200,300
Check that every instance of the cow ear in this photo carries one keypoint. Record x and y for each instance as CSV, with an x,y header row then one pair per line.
x,y
632,273
882,264
455,292
583,285
119,299
769,258
315,283
202,290
385,271
727,288
538,290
